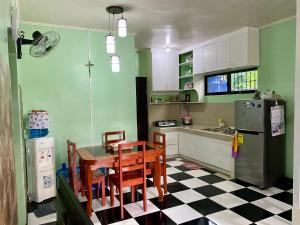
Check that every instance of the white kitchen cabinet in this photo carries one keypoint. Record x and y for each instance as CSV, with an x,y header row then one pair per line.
x,y
207,150
231,51
198,61
172,150
165,70
171,143
210,57
244,48
223,54
172,138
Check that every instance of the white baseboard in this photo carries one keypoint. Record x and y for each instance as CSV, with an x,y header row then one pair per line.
x,y
296,216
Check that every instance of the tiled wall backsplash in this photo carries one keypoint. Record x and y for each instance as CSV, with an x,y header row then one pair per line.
x,y
163,112
206,114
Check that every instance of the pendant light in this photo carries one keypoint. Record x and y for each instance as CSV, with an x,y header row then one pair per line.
x,y
122,27
110,38
115,63
110,44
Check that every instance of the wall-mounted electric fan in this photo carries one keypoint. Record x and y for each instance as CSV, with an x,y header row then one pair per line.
x,y
41,44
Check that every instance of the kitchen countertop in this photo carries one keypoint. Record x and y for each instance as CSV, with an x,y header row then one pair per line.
x,y
196,129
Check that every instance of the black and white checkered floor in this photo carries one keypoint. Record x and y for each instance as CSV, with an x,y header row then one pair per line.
x,y
201,197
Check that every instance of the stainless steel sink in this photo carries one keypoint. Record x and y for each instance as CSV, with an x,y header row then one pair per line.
x,y
213,129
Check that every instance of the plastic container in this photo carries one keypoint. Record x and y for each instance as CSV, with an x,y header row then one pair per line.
x,y
63,170
38,133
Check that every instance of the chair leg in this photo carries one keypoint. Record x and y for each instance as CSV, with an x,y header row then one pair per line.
x,y
145,197
112,194
97,190
103,192
133,190
121,203
165,180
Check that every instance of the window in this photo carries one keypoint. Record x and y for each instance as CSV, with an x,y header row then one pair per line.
x,y
245,81
217,84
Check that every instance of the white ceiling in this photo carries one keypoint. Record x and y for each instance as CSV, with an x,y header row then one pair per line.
x,y
157,22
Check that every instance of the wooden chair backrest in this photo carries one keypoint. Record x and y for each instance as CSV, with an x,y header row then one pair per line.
x,y
133,161
72,164
159,139
120,133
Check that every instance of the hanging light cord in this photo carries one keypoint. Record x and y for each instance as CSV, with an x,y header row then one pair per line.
x,y
91,91
114,24
109,22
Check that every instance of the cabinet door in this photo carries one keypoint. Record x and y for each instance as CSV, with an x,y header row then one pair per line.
x,y
172,150
164,70
238,50
220,154
198,60
158,66
223,54
210,58
172,71
185,144
172,138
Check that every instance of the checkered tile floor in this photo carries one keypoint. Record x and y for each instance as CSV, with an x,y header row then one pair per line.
x,y
45,220
200,197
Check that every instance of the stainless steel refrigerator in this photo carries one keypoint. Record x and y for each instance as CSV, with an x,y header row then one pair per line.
x,y
261,159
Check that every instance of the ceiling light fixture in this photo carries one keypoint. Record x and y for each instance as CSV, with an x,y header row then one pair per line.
x,y
115,63
110,38
122,27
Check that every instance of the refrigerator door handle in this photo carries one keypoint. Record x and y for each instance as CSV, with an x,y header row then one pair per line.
x,y
248,132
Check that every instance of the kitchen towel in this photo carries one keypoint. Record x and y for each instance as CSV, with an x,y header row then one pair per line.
x,y
235,145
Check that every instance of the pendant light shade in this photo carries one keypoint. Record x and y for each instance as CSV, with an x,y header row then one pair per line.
x,y
110,44
122,27
115,63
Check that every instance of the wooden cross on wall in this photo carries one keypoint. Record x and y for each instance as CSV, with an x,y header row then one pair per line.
x,y
89,65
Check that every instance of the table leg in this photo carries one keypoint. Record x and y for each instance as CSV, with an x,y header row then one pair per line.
x,y
89,173
157,178
82,177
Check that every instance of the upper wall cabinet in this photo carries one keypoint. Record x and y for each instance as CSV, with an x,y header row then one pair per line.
x,y
198,60
210,57
223,54
244,48
165,70
236,50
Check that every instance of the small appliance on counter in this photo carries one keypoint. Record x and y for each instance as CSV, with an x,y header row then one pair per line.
x,y
165,123
186,120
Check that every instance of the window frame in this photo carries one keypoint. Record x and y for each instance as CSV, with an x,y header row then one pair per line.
x,y
229,91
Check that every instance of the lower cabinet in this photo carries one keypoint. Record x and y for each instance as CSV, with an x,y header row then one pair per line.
x,y
211,151
172,143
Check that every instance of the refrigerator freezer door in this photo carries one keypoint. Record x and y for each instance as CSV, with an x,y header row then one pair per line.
x,y
250,115
249,165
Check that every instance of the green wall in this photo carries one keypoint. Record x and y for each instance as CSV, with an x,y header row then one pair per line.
x,y
59,83
276,72
9,57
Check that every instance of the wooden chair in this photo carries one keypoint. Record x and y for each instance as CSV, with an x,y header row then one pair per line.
x,y
131,172
121,137
160,139
74,178
120,134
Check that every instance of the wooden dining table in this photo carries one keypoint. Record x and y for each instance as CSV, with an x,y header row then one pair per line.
x,y
94,157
